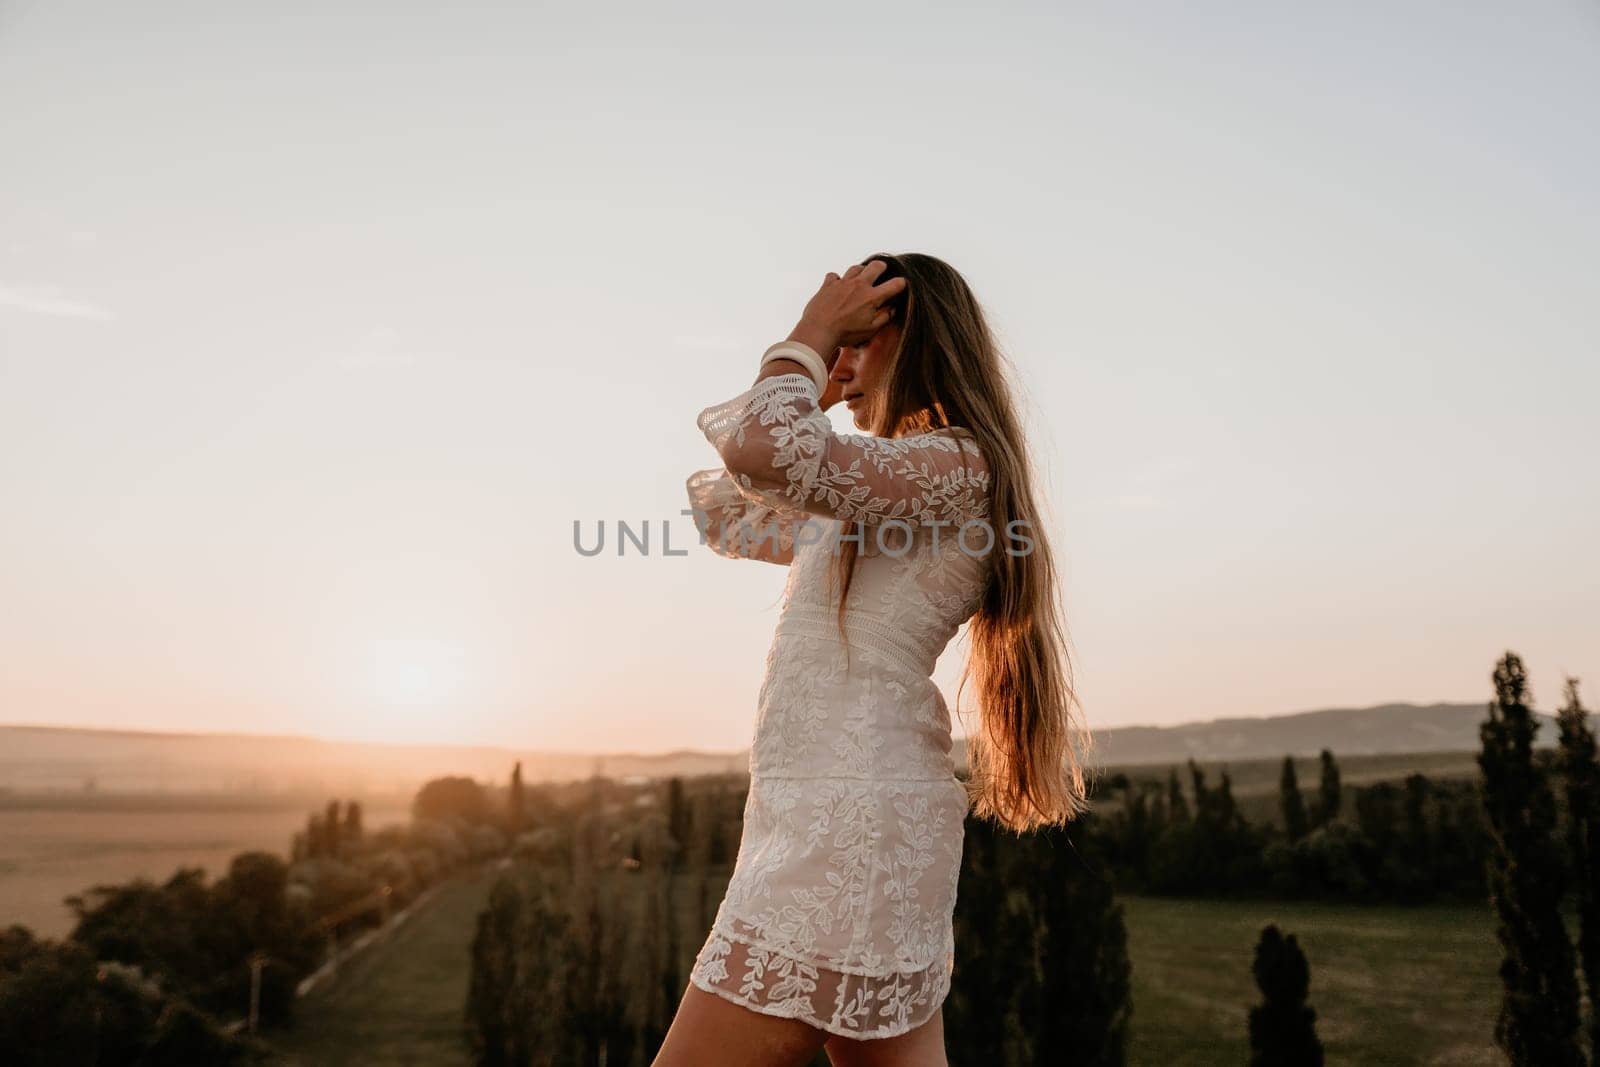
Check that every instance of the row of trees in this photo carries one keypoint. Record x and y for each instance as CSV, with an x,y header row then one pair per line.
x,y
141,979
584,949
156,973
582,954
1405,843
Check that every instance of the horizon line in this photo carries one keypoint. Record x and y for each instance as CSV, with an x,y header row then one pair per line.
x,y
510,747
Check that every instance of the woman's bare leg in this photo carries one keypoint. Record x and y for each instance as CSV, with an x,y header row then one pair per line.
x,y
710,1030
922,1047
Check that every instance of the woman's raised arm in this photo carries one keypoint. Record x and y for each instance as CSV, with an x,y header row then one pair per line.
x,y
783,451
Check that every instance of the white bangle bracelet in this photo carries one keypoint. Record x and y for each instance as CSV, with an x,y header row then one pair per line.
x,y
802,354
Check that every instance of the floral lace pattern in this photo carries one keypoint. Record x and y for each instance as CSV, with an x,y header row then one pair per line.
x,y
839,909
785,453
735,526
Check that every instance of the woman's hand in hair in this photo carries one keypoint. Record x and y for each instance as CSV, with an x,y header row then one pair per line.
x,y
846,310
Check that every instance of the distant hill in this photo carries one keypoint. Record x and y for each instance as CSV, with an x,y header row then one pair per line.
x,y
53,759
1382,730
47,758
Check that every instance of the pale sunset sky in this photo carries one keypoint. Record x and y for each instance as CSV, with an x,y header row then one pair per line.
x,y
321,323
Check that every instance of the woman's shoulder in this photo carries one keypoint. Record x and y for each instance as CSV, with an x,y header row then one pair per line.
x,y
942,434
956,438
958,443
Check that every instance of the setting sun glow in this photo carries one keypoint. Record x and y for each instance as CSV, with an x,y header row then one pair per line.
x,y
411,680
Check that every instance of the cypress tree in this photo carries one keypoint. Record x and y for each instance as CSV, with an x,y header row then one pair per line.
x,y
1282,1026
1416,862
1581,774
1227,812
330,828
987,949
1177,804
1141,824
352,821
1081,1008
1202,796
1538,1020
1329,795
651,970
1294,805
1416,832
516,801
316,840
494,1008
677,821
1041,973
702,814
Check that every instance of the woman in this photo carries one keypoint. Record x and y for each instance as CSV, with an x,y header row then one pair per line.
x,y
835,931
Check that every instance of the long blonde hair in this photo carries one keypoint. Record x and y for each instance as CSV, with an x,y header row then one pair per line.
x,y
1028,757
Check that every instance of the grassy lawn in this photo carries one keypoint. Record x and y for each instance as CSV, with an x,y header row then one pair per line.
x,y
401,1001
1390,985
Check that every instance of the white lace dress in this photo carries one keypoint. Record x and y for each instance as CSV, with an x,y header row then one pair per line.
x,y
839,909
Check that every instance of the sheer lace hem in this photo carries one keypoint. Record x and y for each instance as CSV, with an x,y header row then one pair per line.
x,y
790,986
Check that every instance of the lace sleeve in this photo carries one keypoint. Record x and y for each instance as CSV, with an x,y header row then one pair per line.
x,y
738,524
783,452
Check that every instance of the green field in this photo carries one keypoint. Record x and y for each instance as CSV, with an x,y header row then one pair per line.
x,y
1390,985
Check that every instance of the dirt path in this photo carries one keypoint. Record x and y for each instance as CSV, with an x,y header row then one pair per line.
x,y
400,1002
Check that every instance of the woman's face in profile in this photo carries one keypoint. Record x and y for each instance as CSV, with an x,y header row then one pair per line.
x,y
861,372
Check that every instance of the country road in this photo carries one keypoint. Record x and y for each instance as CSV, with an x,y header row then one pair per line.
x,y
400,1001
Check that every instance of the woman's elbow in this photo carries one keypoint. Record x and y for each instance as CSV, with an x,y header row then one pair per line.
x,y
756,469
748,459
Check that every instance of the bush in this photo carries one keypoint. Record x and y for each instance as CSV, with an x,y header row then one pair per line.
x,y
442,839
460,798
58,1006
1329,860
333,884
486,841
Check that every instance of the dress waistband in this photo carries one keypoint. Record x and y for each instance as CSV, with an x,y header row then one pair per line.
x,y
864,631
